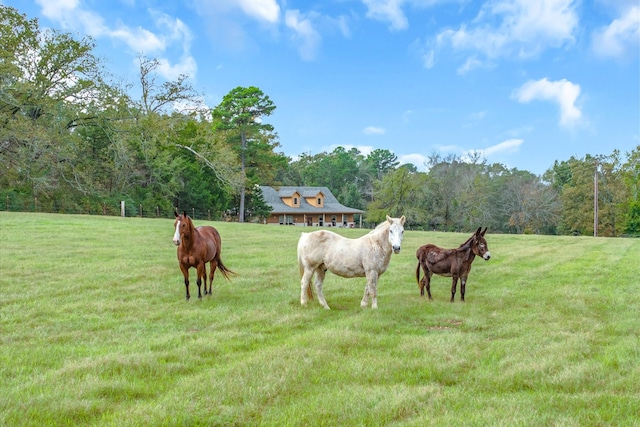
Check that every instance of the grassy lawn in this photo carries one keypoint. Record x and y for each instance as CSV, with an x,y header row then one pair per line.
x,y
95,330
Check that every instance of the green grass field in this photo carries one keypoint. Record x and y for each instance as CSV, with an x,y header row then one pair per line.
x,y
95,330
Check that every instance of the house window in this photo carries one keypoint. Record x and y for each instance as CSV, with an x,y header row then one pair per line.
x,y
295,201
319,201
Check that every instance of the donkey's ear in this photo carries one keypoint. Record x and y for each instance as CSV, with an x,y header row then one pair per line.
x,y
478,231
402,219
185,214
388,218
485,230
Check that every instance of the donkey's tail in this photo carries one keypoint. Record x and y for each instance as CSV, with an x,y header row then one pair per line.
x,y
418,273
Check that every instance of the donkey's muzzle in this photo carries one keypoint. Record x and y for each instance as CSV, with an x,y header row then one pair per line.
x,y
396,249
486,256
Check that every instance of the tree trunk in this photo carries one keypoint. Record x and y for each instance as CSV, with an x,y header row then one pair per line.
x,y
243,137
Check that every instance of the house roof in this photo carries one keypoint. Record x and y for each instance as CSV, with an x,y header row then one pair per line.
x,y
273,197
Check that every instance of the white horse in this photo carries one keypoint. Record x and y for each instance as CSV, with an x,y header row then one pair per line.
x,y
367,256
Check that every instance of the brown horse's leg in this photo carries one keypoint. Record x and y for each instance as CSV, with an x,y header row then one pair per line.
x,y
454,283
202,271
463,285
204,278
213,265
185,273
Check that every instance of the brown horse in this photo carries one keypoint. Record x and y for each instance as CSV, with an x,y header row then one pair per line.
x,y
196,248
455,263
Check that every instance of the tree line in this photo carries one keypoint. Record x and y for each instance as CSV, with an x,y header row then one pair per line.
x,y
73,138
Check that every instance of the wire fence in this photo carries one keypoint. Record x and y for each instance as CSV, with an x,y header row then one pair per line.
x,y
121,208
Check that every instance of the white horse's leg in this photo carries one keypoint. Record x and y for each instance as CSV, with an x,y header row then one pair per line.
x,y
305,282
371,289
320,272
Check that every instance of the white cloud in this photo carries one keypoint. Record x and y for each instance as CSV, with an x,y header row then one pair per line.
x,y
514,28
304,33
562,92
263,10
478,115
138,39
471,64
373,130
619,37
505,147
187,66
428,59
70,14
418,160
56,10
508,146
387,10
406,116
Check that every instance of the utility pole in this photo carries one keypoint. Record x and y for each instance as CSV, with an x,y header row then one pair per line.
x,y
595,201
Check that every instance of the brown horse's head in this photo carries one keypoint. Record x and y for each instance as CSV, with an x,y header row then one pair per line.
x,y
479,245
182,227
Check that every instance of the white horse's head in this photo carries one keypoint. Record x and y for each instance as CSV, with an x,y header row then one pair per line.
x,y
396,230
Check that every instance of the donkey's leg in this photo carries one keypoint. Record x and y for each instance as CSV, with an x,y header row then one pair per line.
x,y
305,283
454,283
320,273
371,290
427,279
463,285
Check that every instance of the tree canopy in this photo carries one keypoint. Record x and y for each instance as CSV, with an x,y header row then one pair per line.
x,y
72,140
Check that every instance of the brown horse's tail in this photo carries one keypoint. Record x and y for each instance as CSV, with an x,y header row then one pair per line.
x,y
418,273
224,270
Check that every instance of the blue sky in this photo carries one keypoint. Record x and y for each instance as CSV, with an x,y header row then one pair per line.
x,y
523,82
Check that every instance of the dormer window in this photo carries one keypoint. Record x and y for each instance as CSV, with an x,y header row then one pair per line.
x,y
319,201
295,201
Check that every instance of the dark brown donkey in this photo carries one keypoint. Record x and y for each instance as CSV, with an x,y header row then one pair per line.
x,y
455,263
196,248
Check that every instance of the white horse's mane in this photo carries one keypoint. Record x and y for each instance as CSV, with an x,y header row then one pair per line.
x,y
383,224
